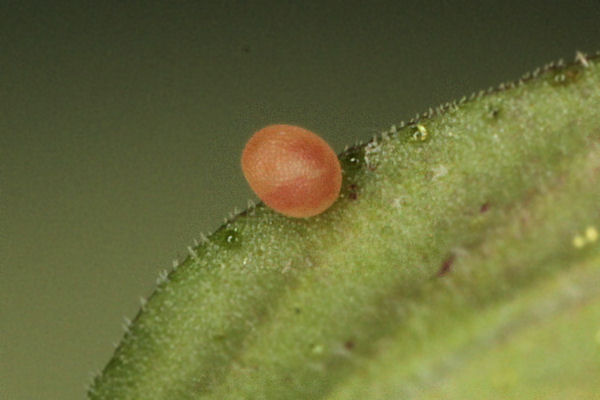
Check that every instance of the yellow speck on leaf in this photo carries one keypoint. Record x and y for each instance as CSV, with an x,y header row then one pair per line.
x,y
591,234
578,241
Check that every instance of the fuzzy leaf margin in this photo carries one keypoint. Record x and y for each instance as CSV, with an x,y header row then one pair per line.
x,y
454,234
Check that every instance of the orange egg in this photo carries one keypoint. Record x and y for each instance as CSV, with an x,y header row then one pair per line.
x,y
292,170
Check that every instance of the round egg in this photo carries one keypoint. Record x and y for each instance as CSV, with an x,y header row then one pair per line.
x,y
292,170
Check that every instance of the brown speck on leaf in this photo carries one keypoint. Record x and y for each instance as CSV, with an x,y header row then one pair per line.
x,y
349,345
446,265
484,207
352,192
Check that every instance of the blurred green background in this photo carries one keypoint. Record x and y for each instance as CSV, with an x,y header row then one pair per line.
x,y
122,123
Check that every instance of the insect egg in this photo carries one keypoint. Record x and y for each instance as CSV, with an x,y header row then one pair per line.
x,y
292,170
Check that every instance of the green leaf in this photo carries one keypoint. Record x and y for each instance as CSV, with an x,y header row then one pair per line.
x,y
462,260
